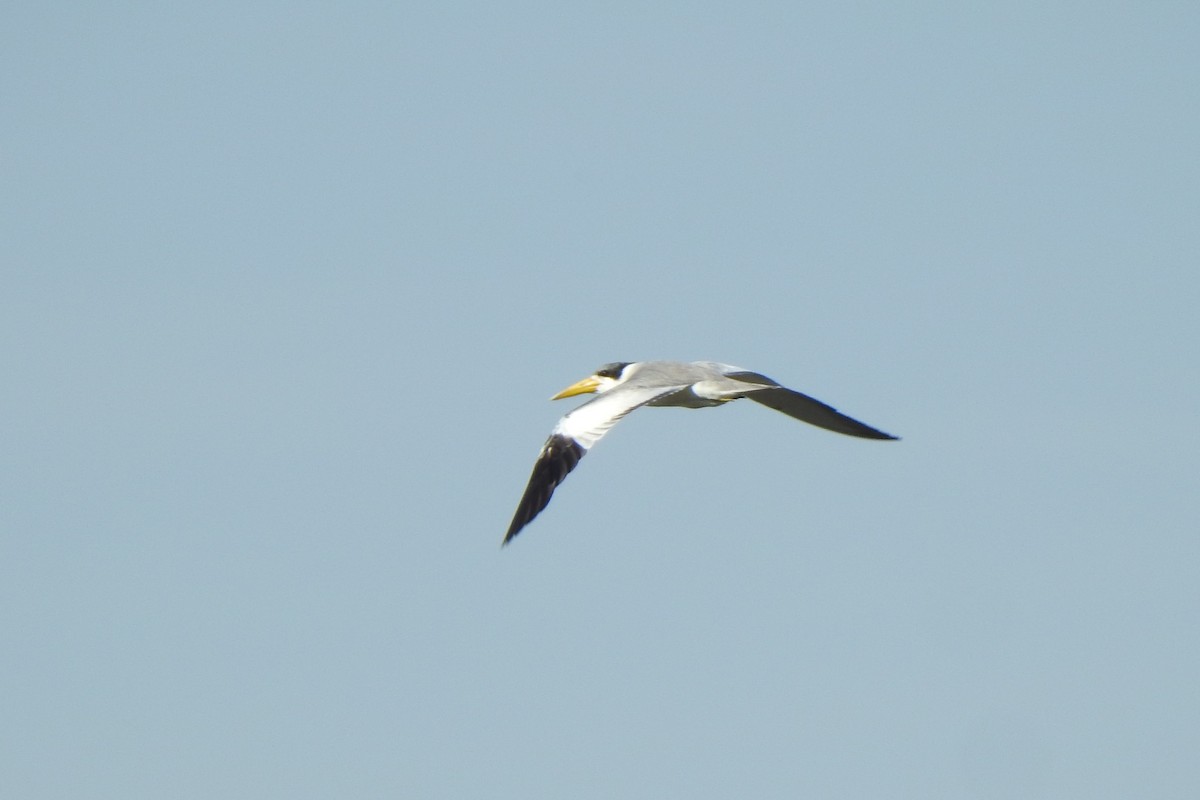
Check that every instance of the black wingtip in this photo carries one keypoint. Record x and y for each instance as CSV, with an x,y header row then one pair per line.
x,y
559,456
512,532
814,412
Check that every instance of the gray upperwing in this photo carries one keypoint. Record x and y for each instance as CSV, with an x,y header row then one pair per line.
x,y
814,412
753,378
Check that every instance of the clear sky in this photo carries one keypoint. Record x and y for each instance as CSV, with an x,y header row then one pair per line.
x,y
285,289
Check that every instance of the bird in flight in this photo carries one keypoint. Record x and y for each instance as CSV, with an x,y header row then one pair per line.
x,y
623,386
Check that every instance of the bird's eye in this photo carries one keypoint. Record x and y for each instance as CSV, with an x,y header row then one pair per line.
x,y
613,370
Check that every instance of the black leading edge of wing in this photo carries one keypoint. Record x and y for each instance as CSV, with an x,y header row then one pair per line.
x,y
559,456
814,412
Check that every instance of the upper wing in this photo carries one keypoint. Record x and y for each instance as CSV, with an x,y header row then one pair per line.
x,y
814,412
572,437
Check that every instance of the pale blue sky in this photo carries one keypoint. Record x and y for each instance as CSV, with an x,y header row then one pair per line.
x,y
285,290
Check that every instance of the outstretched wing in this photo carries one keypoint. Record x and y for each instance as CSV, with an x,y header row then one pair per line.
x,y
572,437
559,456
812,411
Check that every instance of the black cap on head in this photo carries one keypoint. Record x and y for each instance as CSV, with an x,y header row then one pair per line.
x,y
613,370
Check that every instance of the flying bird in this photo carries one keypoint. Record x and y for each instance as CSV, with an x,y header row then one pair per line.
x,y
624,386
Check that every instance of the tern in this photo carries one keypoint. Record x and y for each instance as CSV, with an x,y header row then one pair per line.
x,y
624,386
